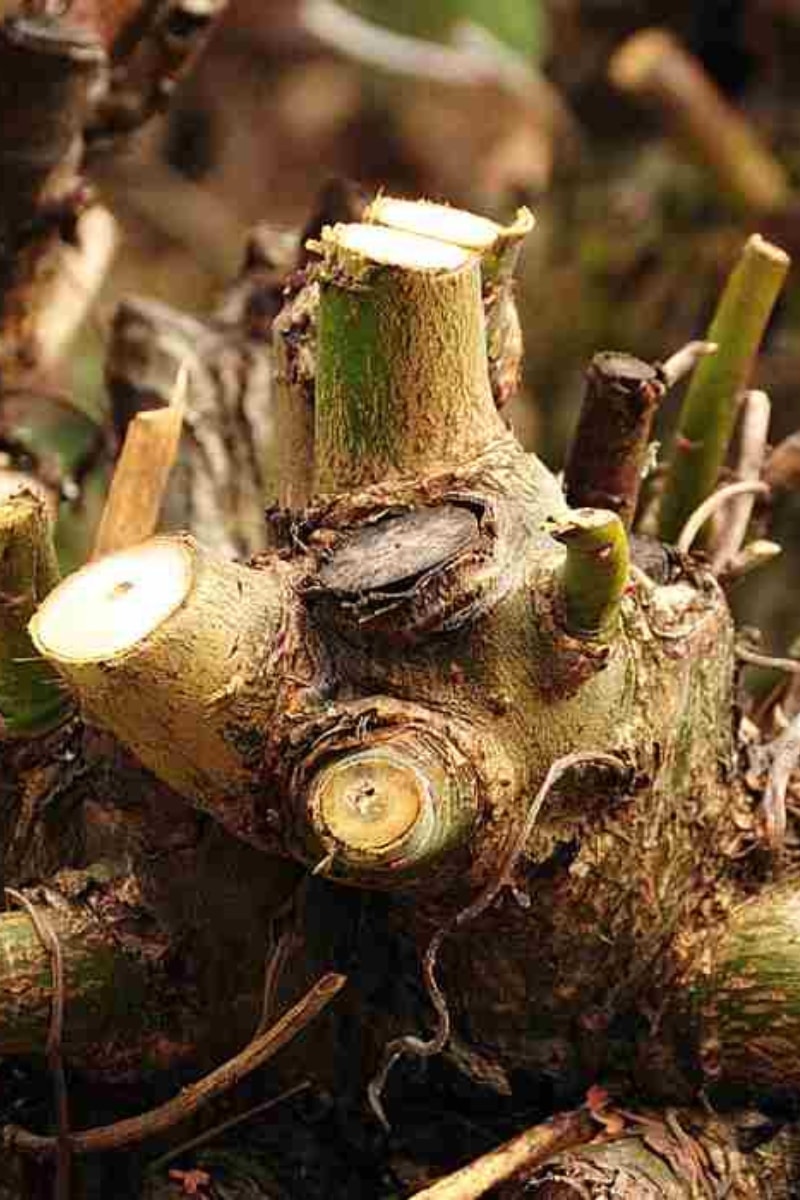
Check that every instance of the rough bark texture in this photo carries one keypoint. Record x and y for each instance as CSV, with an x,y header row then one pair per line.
x,y
420,691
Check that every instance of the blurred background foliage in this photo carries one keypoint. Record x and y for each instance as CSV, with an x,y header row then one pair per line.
x,y
635,228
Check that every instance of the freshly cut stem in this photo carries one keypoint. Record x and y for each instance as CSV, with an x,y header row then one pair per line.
x,y
595,573
32,696
499,247
652,65
606,460
140,478
165,646
402,378
387,813
709,409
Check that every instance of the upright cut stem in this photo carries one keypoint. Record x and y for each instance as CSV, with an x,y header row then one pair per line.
x,y
499,247
654,66
402,378
595,573
709,409
608,452
32,698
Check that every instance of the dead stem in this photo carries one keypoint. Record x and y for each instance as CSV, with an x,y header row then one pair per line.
x,y
728,539
133,1130
711,504
785,755
684,361
501,879
791,665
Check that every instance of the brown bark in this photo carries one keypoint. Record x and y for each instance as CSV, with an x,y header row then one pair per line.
x,y
609,449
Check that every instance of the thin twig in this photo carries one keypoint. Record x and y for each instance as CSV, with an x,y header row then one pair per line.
x,y
728,539
502,878
55,1037
791,665
684,361
711,504
159,1120
210,1135
525,1152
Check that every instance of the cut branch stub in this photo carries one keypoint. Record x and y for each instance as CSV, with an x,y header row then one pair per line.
x,y
608,452
708,413
499,249
402,377
595,573
170,649
32,697
388,812
405,576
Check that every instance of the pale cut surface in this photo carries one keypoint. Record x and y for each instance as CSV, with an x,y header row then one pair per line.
x,y
452,225
370,802
111,605
395,247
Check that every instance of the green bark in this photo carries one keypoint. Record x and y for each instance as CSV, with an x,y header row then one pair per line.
x,y
708,414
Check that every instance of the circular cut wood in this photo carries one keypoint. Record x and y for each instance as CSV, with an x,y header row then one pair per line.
x,y
370,801
395,247
111,605
397,550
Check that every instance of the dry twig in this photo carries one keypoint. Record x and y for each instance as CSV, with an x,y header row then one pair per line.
x,y
684,361
785,755
525,1152
134,1130
705,511
753,448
